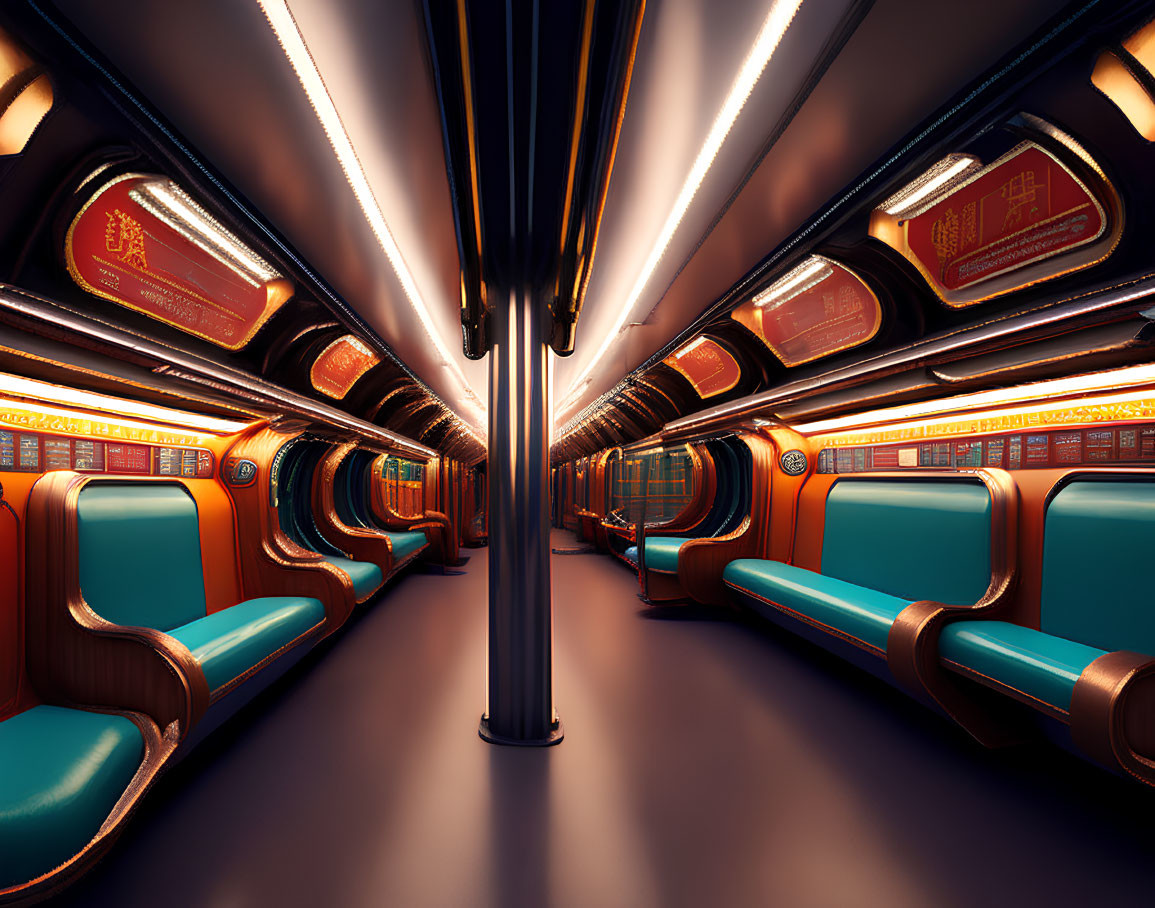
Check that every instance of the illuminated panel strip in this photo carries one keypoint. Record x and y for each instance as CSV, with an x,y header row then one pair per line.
x,y
1107,408
21,415
293,44
1041,393
58,394
769,36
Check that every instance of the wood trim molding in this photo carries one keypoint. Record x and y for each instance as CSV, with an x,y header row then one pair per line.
x,y
437,527
702,561
912,645
272,564
359,543
74,655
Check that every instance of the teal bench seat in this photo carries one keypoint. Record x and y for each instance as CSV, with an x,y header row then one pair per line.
x,y
1041,666
139,554
61,773
845,608
406,543
885,544
1098,536
228,643
661,553
365,575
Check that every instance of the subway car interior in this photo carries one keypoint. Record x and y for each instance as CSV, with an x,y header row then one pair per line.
x,y
577,453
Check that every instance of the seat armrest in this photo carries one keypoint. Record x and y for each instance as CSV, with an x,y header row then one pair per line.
x,y
1113,713
359,543
272,564
702,561
912,645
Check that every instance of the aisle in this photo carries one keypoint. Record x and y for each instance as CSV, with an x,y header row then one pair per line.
x,y
706,762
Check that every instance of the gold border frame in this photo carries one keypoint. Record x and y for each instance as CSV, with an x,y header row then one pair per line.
x,y
789,364
276,297
694,384
886,229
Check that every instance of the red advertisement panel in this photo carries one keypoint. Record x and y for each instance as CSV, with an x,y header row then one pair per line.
x,y
1025,208
709,367
837,313
119,250
340,365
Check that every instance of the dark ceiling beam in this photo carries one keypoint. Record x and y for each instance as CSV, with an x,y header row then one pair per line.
x,y
529,159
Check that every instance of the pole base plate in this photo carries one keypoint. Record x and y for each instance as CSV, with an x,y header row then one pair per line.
x,y
555,735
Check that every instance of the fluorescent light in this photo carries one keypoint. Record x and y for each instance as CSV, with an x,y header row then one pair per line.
x,y
798,280
1119,84
165,200
927,187
691,347
769,36
293,44
101,403
1113,380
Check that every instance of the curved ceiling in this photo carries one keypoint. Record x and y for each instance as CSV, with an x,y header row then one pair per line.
x,y
216,70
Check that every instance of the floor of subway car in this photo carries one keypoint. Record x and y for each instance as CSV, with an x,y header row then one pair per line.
x,y
706,762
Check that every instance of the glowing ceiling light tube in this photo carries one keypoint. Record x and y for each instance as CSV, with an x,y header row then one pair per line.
x,y
1114,380
931,183
798,280
691,347
171,204
293,44
769,36
58,394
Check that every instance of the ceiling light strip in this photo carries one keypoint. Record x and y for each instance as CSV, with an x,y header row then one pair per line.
x,y
293,44
769,36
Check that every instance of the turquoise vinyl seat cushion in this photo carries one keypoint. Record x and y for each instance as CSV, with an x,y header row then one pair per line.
x,y
1097,541
857,611
913,539
61,773
140,564
1097,545
140,554
366,576
661,553
405,544
1039,665
228,643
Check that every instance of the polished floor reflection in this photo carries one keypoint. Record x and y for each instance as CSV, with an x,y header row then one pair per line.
x,y
706,762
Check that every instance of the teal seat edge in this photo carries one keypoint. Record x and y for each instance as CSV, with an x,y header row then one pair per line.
x,y
63,772
1036,664
856,611
228,643
366,576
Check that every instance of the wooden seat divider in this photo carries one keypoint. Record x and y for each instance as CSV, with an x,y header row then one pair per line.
x,y
271,563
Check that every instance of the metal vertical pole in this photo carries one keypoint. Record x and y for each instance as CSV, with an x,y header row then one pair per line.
x,y
519,693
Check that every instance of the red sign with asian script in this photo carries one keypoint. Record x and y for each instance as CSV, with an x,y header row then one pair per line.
x,y
119,250
1025,208
707,366
340,365
837,313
